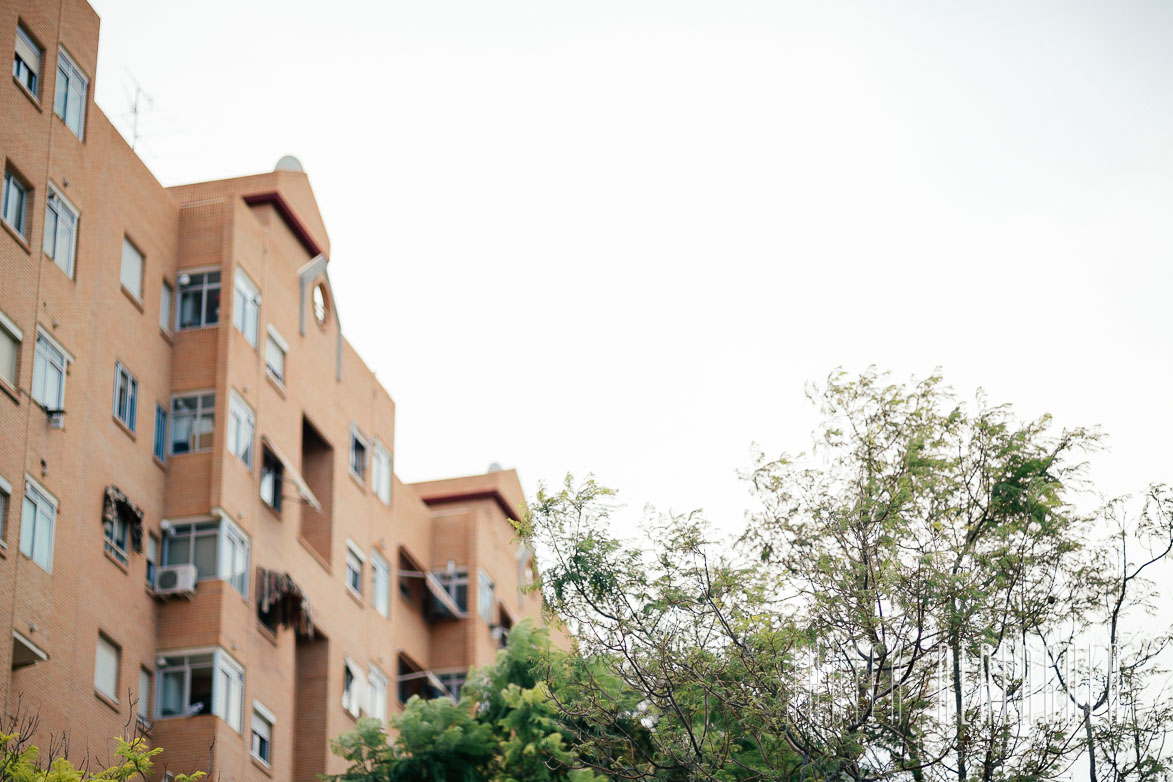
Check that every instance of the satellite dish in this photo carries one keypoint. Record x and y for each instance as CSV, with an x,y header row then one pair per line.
x,y
288,163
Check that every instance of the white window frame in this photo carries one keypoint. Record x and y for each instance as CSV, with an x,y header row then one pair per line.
x,y
64,212
246,306
134,286
227,674
143,708
116,536
5,509
233,555
130,421
204,288
167,306
200,413
276,340
17,335
378,682
34,534
264,715
12,181
354,698
242,429
62,101
357,437
485,604
380,583
59,359
381,473
37,55
354,553
112,693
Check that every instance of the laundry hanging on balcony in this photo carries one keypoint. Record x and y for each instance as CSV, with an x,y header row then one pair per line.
x,y
281,601
115,506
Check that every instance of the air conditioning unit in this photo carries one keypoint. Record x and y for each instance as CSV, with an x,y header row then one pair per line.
x,y
176,580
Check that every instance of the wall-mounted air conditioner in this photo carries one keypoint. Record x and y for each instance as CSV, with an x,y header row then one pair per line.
x,y
176,580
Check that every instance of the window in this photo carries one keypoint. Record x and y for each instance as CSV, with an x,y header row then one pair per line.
x,y
241,429
152,558
354,563
218,549
275,350
125,396
117,533
60,230
160,444
5,501
106,668
453,681
15,202
36,525
143,708
234,558
193,684
455,583
381,583
485,596
247,309
10,339
192,423
381,473
353,689
166,298
70,101
272,474
132,269
262,741
378,694
26,66
358,455
49,373
199,300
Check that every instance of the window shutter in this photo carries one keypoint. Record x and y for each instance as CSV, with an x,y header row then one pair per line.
x,y
28,52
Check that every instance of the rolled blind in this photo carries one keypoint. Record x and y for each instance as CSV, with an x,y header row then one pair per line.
x,y
28,51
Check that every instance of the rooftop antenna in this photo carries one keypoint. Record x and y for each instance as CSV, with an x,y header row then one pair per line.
x,y
136,108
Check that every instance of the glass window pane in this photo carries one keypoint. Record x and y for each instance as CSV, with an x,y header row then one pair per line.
x,y
200,700
171,703
205,556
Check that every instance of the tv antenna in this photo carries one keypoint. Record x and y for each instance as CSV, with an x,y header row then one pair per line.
x,y
136,108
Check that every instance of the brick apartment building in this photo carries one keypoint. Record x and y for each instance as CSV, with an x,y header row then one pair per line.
x,y
200,527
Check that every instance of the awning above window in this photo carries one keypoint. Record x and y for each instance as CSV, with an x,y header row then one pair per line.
x,y
117,505
292,474
279,596
25,652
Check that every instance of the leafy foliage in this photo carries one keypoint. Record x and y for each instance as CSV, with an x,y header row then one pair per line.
x,y
21,761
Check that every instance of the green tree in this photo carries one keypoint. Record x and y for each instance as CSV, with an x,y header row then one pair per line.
x,y
506,728
871,620
22,761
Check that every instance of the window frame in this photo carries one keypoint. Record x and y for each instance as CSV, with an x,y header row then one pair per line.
x,y
137,290
382,474
261,712
357,437
39,52
67,67
131,400
246,302
353,552
33,534
16,334
221,663
278,480
377,686
159,443
5,508
380,597
143,707
485,606
56,202
117,650
116,538
231,541
13,180
274,338
153,558
239,414
167,305
198,414
62,366
204,289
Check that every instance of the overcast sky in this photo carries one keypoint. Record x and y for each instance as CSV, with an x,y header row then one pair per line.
x,y
620,236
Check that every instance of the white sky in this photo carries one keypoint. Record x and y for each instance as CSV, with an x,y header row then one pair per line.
x,y
618,236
